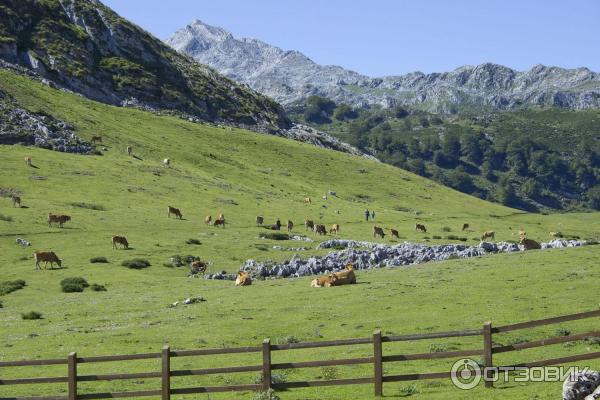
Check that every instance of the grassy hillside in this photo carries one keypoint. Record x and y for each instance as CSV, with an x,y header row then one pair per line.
x,y
532,159
243,174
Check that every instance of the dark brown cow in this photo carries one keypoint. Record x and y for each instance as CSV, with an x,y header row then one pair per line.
x,y
420,228
530,244
320,229
277,226
465,227
377,231
46,257
259,220
219,222
119,240
395,233
308,224
290,225
174,211
16,200
58,219
96,139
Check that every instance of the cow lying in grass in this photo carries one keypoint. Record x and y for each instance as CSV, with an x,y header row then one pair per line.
x,y
322,281
345,277
243,279
529,244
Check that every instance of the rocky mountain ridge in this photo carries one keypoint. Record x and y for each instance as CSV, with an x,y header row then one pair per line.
x,y
290,77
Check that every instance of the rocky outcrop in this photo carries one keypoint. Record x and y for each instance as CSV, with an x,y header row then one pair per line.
x,y
581,386
369,255
290,77
18,125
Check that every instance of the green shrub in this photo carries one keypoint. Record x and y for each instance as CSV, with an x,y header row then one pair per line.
x,y
98,260
136,263
563,332
72,288
31,315
6,218
193,241
98,288
446,229
437,348
73,285
274,236
436,237
329,373
266,395
89,206
409,390
7,287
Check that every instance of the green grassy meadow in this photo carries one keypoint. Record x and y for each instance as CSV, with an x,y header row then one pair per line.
x,y
244,174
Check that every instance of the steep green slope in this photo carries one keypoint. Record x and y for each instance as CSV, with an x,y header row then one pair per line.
x,y
244,174
86,47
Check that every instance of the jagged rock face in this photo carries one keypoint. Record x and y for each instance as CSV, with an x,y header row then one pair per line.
x,y
84,46
290,76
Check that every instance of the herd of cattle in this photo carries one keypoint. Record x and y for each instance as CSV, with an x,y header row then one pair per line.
x,y
346,276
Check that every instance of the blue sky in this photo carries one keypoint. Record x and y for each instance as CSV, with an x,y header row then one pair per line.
x,y
386,37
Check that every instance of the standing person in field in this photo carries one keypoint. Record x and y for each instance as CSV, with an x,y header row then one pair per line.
x,y
373,214
367,214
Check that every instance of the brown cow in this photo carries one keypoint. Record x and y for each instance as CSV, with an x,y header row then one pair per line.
x,y
308,224
129,150
116,240
529,244
465,227
16,200
46,257
243,279
420,228
320,229
345,277
377,231
395,233
198,266
28,161
219,222
488,235
174,211
290,225
57,219
208,220
96,139
335,228
259,220
323,281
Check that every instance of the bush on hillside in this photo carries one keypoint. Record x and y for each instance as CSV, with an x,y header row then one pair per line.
x,y
98,288
73,285
136,263
31,315
274,236
7,287
98,260
193,241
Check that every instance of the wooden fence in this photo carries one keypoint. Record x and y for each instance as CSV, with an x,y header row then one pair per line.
x,y
266,367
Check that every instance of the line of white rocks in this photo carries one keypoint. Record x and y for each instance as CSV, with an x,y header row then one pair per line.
x,y
369,255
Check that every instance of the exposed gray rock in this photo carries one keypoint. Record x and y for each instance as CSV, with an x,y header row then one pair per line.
x,y
290,76
580,385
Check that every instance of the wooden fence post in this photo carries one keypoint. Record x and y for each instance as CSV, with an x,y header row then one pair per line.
x,y
487,353
377,363
266,369
72,376
166,373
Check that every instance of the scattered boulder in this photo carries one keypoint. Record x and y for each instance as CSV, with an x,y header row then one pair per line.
x,y
581,385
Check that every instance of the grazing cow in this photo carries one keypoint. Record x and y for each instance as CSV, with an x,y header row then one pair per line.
x,y
208,220
323,281
465,227
96,139
308,224
46,257
166,162
377,231
259,220
335,228
28,161
307,200
116,240
488,235
290,225
198,266
16,200
320,229
219,222
529,244
129,150
277,225
420,228
174,211
243,279
345,277
57,219
395,233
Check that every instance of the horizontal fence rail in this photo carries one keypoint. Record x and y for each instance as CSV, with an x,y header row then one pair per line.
x,y
378,359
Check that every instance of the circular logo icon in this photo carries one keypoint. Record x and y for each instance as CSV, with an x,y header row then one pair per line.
x,y
465,374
